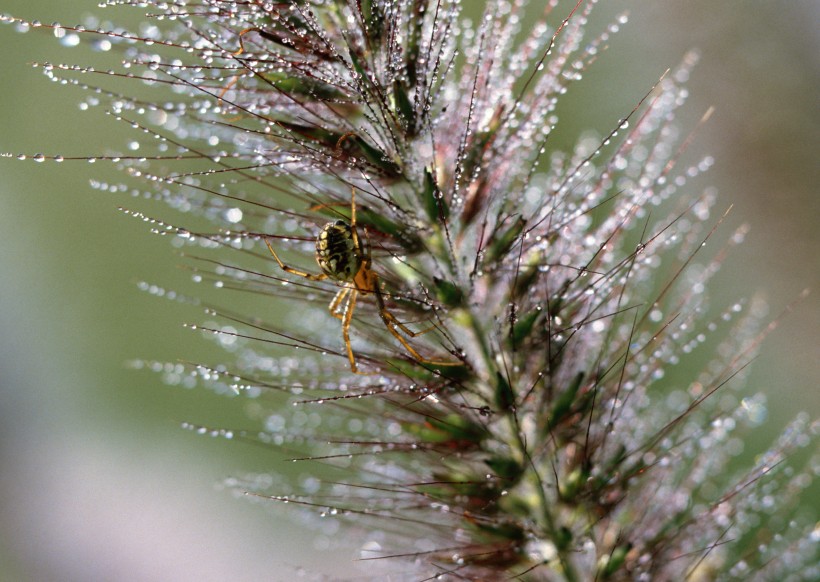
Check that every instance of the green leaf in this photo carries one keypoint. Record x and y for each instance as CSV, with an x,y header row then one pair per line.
x,y
565,401
505,468
573,484
504,395
433,200
374,17
448,293
302,86
422,372
613,562
447,429
404,108
349,143
374,155
563,538
474,166
526,277
357,65
413,40
502,242
524,326
505,530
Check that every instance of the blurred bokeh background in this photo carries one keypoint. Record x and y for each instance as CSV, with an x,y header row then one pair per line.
x,y
97,481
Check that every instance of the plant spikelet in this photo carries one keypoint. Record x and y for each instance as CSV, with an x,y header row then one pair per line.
x,y
520,391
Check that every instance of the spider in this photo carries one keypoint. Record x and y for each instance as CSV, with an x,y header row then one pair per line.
x,y
342,257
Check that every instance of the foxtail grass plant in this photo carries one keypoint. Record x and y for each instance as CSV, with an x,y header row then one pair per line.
x,y
492,358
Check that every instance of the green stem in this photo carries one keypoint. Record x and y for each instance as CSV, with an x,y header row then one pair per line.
x,y
548,519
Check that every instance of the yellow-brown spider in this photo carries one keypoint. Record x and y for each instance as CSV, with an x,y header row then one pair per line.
x,y
343,259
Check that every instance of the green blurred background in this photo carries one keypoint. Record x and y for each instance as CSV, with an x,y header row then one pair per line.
x,y
97,481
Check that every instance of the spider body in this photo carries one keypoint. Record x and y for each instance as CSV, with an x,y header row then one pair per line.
x,y
343,258
338,251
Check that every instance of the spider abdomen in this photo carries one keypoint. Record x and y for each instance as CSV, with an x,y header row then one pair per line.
x,y
338,252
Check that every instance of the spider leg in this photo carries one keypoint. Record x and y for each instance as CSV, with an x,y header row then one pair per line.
x,y
347,317
291,270
395,322
393,325
337,301
369,283
241,42
406,330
